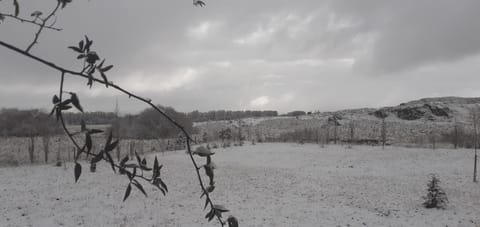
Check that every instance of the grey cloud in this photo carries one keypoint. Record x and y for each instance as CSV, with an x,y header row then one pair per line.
x,y
409,34
301,54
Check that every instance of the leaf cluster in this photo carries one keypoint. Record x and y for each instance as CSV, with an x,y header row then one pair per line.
x,y
61,105
64,2
90,59
198,3
131,170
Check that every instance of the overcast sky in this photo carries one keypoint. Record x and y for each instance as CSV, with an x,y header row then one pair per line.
x,y
269,54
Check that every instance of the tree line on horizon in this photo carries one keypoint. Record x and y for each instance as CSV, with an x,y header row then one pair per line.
x,y
100,117
221,115
27,123
144,125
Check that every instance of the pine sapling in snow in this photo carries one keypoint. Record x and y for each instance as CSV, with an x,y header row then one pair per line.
x,y
436,196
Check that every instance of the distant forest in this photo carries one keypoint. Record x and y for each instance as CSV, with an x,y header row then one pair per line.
x,y
145,125
92,118
220,115
99,118
27,123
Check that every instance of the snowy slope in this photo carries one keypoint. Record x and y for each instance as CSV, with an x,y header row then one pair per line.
x,y
408,123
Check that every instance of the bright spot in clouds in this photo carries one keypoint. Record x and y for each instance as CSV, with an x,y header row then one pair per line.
x,y
260,101
202,30
255,37
143,82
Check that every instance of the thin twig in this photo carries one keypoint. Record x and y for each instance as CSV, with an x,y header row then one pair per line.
x,y
207,194
30,21
42,26
62,121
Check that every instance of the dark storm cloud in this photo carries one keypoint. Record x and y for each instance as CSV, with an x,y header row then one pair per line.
x,y
252,54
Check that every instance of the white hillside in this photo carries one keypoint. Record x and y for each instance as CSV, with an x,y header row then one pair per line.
x,y
408,123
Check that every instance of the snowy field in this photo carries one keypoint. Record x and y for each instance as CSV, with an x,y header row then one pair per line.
x,y
264,185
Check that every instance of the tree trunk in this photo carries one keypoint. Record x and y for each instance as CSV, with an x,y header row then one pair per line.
x,y
59,162
31,149
335,134
475,119
327,135
384,133
455,135
352,132
475,167
46,151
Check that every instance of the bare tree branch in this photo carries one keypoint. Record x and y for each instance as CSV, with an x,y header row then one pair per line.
x,y
131,95
42,26
34,22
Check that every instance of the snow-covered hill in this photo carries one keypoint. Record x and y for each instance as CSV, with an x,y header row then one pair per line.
x,y
416,122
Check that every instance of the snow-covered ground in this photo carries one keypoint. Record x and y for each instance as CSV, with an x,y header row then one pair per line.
x,y
263,185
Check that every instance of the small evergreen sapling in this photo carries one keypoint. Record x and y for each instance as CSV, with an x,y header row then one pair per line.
x,y
436,196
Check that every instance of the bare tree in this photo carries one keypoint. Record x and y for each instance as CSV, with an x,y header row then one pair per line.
x,y
205,137
249,132
225,135
239,133
258,135
351,127
117,128
384,133
455,138
433,139
327,134
382,114
31,148
335,133
334,120
475,117
59,148
46,149
323,134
